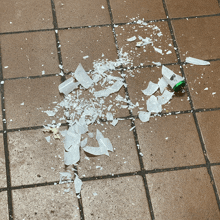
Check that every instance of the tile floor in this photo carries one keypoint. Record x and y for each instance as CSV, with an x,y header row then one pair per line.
x,y
148,176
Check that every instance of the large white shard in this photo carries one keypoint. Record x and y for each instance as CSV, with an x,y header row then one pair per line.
x,y
68,86
112,89
82,77
78,184
153,105
103,142
165,97
158,50
196,61
144,41
162,83
104,145
71,139
151,89
171,78
144,116
81,127
72,156
72,144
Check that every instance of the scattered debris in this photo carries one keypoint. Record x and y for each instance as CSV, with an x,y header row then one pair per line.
x,y
55,132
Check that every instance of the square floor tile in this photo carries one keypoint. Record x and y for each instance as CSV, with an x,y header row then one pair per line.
x,y
209,125
92,42
216,174
124,159
203,82
46,202
2,163
140,82
33,159
81,13
25,15
187,8
129,10
120,198
32,97
198,37
29,54
185,195
159,34
170,141
4,205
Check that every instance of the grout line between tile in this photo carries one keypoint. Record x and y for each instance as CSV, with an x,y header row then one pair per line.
x,y
6,150
63,78
132,122
192,108
107,25
113,176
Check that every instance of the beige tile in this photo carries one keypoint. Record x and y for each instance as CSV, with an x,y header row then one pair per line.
x,y
129,10
25,15
200,78
170,141
2,163
81,13
209,125
28,54
140,80
4,205
120,198
92,42
33,159
187,8
46,202
37,95
185,195
216,175
124,158
146,54
198,37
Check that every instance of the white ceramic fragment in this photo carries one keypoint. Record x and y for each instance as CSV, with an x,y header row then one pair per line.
x,y
50,113
157,63
82,77
72,156
68,86
143,42
114,122
171,78
153,105
97,151
78,184
165,97
109,116
112,89
47,139
162,83
71,138
144,116
151,89
81,127
103,142
196,61
131,39
158,50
